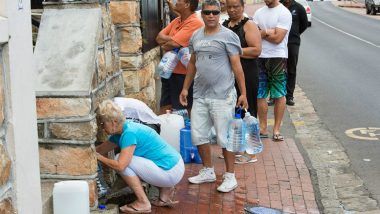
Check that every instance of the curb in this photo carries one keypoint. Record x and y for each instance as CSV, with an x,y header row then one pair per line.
x,y
338,189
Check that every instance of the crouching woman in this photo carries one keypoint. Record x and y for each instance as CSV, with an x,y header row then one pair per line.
x,y
144,156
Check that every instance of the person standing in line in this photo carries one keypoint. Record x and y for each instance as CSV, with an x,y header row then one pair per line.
x,y
250,41
176,35
274,21
214,65
299,25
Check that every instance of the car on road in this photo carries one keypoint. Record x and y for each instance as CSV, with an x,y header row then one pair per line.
x,y
372,6
308,10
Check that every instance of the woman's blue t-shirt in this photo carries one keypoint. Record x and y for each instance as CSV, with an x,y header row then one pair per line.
x,y
148,144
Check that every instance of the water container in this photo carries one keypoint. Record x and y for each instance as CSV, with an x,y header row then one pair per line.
x,y
188,151
186,145
236,134
171,124
196,158
182,112
167,64
184,56
71,197
252,135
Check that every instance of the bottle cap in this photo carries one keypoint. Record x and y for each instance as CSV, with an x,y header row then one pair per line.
x,y
238,113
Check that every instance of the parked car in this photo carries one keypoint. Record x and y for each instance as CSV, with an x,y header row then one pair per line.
x,y
308,9
372,6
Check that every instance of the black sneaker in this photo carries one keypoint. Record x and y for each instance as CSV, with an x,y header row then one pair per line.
x,y
290,102
270,102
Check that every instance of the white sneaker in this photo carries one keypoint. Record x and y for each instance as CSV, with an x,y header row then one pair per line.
x,y
205,175
229,183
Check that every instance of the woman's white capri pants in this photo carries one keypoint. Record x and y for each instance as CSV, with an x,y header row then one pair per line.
x,y
149,172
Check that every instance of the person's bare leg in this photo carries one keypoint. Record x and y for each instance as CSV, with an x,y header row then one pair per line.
x,y
229,160
205,153
167,194
262,112
142,202
279,109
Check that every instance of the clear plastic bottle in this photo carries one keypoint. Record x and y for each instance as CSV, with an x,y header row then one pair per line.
x,y
167,64
182,112
252,135
184,56
236,134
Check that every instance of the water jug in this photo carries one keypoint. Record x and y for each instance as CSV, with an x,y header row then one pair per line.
x,y
252,135
188,151
167,64
171,124
184,56
71,197
182,112
236,134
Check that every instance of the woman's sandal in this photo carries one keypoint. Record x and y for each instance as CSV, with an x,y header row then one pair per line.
x,y
128,208
245,159
161,203
264,135
278,137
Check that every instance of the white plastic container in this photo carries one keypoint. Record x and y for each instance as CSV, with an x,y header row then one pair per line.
x,y
71,197
171,125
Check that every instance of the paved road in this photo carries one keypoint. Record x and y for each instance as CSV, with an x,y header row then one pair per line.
x,y
339,69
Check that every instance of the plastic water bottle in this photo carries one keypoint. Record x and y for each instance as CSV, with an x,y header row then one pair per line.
x,y
167,64
252,135
236,134
184,56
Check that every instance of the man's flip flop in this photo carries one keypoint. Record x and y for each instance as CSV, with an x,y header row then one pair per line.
x,y
264,135
128,208
278,137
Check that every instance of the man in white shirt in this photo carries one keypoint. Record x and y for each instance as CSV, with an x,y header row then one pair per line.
x,y
274,21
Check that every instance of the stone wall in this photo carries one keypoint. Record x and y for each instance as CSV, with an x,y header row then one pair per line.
x,y
78,66
6,193
138,68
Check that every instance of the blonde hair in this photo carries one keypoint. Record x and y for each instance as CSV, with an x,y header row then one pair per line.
x,y
109,111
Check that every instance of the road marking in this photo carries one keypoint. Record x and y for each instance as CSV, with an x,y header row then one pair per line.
x,y
370,133
348,34
299,123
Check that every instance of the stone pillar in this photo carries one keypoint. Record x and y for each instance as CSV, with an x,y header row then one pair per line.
x,y
77,68
138,68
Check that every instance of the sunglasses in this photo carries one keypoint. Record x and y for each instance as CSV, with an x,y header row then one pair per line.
x,y
208,12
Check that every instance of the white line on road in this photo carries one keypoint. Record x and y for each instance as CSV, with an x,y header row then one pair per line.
x,y
348,34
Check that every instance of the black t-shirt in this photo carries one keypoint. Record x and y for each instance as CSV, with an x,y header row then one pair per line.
x,y
299,22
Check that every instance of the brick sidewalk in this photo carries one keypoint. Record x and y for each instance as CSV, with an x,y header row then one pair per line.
x,y
279,179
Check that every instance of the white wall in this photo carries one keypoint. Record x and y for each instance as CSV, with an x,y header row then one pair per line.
x,y
22,128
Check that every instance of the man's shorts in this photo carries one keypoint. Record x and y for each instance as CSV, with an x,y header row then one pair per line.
x,y
207,113
272,77
171,89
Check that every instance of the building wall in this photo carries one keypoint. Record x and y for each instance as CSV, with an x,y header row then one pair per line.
x,y
77,68
6,193
138,67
